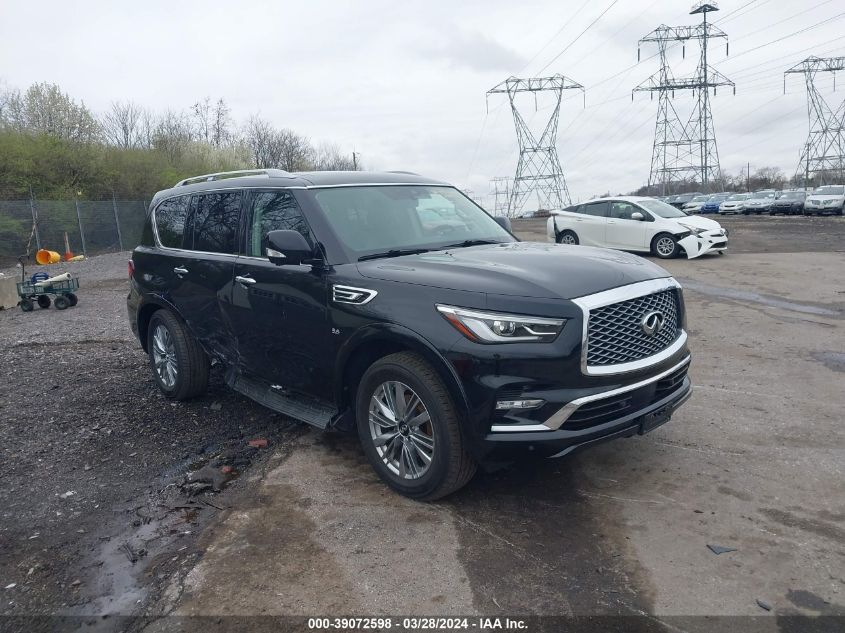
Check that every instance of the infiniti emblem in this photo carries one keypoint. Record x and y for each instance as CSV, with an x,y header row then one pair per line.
x,y
652,323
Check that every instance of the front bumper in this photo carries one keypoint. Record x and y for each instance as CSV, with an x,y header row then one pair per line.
x,y
637,409
705,242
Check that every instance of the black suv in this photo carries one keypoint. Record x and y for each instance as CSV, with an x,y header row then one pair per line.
x,y
393,304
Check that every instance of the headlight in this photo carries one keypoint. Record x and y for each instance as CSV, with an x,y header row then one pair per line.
x,y
692,229
489,327
830,202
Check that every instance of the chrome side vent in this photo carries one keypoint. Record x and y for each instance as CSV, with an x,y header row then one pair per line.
x,y
352,295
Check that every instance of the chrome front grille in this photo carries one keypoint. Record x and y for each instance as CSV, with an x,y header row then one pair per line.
x,y
615,333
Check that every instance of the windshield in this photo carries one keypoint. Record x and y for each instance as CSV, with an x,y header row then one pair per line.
x,y
762,195
792,195
378,219
699,199
738,196
830,191
661,209
718,197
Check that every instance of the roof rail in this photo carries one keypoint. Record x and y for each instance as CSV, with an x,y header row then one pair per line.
x,y
267,173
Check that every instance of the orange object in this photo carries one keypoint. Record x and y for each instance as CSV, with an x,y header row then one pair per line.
x,y
68,252
47,257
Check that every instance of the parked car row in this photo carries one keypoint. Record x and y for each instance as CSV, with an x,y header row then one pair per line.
x,y
822,200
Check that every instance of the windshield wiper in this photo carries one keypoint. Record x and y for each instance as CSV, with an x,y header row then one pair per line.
x,y
466,243
395,252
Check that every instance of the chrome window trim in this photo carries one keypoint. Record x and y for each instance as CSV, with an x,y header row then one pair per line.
x,y
615,295
563,414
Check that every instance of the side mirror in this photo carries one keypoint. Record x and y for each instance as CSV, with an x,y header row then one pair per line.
x,y
504,222
636,215
288,248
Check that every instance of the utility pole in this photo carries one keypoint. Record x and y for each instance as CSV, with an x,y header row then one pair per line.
x,y
748,177
684,151
538,170
824,150
355,161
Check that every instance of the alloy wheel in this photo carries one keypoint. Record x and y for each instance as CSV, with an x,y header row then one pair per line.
x,y
567,239
401,430
164,356
665,246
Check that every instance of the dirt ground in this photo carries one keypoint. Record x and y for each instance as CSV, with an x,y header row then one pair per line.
x,y
101,515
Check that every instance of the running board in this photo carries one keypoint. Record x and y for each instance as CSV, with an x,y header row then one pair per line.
x,y
273,397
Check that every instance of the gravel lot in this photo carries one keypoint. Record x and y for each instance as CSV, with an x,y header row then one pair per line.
x,y
97,515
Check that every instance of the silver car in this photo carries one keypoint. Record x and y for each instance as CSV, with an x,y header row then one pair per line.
x,y
734,203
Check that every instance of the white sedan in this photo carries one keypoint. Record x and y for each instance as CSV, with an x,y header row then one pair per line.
x,y
633,223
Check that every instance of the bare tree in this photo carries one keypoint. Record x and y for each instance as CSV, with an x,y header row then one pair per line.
x,y
328,157
221,123
173,134
259,137
202,119
296,152
122,125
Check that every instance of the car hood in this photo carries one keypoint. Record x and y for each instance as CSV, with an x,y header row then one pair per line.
x,y
525,269
700,223
815,198
758,202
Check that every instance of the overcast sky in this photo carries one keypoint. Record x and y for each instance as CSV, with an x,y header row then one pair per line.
x,y
404,83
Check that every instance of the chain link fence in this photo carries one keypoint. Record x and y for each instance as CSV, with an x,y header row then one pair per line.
x,y
92,226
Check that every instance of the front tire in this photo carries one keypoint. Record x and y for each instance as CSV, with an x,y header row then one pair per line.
x,y
567,237
43,302
665,246
410,429
179,364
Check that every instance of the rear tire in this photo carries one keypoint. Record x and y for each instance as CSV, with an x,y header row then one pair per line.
x,y
665,246
423,460
567,237
43,302
61,302
73,299
26,305
178,362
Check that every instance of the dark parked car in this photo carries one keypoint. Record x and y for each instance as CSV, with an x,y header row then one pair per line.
x,y
680,200
333,298
789,203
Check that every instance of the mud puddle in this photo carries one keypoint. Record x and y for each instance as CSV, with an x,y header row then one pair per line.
x,y
754,297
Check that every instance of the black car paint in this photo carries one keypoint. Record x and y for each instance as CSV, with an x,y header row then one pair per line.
x,y
323,346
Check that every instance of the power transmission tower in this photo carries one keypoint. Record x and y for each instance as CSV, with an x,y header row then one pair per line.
x,y
538,170
823,155
500,188
685,152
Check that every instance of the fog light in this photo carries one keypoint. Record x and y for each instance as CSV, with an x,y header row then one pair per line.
x,y
507,405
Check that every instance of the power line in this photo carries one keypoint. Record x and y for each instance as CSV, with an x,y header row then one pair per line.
x,y
568,46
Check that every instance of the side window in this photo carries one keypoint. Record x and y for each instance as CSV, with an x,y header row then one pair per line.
x,y
598,209
622,210
274,211
215,222
170,218
575,209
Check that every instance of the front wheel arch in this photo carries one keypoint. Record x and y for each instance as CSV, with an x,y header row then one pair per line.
x,y
374,342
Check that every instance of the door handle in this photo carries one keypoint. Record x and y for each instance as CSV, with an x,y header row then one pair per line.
x,y
180,270
247,281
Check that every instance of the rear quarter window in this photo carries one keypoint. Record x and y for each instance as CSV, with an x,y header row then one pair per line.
x,y
170,218
215,222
